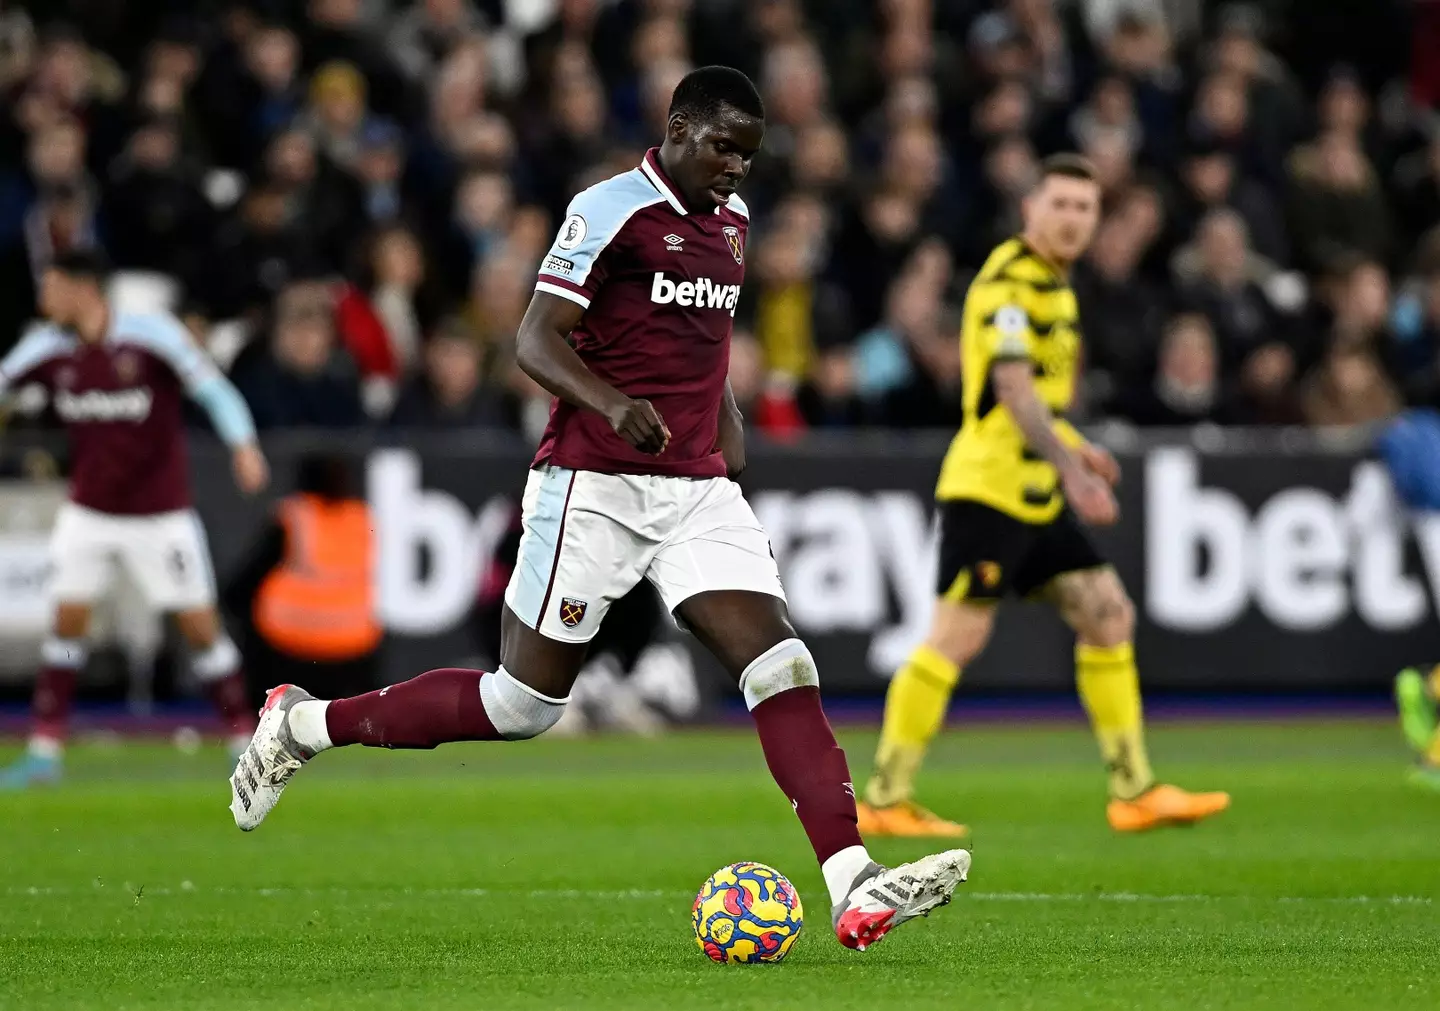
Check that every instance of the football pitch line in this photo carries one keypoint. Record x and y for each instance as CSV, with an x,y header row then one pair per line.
x,y
187,888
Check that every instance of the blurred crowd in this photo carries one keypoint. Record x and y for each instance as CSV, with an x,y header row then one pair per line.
x,y
347,199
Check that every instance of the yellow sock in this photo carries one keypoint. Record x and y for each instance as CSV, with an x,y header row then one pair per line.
x,y
1432,752
1110,689
914,710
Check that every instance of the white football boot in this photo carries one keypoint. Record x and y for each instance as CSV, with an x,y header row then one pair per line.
x,y
882,899
267,765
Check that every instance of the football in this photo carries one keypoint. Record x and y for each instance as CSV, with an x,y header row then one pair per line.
x,y
747,913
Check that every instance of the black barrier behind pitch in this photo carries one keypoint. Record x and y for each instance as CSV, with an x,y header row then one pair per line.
x,y
1266,568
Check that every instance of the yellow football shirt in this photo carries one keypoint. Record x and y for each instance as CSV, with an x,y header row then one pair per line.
x,y
1018,307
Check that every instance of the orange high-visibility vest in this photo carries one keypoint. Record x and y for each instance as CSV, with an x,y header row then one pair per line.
x,y
319,604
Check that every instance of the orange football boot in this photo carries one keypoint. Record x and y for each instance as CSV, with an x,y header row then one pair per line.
x,y
907,820
1164,805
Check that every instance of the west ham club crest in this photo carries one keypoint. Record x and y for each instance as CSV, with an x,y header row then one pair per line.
x,y
732,238
572,611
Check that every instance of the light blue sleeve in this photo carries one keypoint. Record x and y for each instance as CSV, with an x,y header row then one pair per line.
x,y
227,410
37,347
166,338
593,219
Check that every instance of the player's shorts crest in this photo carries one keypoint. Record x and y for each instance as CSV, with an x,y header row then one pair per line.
x,y
572,611
737,249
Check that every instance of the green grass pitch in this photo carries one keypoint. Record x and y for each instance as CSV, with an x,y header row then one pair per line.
x,y
559,875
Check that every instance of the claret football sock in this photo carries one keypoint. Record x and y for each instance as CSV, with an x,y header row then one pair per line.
x,y
218,668
435,708
781,689
55,693
914,712
1110,689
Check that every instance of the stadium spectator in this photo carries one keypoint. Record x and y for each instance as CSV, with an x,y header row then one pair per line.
x,y
1123,310
448,392
1349,387
1417,191
1336,205
1219,276
323,200
1416,323
156,217
257,250
269,148
905,371
302,379
1186,389
1209,181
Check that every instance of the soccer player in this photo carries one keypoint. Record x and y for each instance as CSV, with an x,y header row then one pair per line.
x,y
118,381
629,328
1415,695
1013,490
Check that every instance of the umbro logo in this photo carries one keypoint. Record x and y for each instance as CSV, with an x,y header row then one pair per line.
x,y
673,241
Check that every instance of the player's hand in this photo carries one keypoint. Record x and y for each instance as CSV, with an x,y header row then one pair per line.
x,y
252,473
1090,496
1099,461
638,423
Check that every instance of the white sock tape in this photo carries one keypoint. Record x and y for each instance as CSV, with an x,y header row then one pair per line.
x,y
518,711
69,653
783,666
221,660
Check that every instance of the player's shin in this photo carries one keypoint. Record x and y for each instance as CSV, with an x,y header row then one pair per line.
x,y
914,712
782,691
62,660
436,708
1110,689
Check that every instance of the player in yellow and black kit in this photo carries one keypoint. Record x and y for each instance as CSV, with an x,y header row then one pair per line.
x,y
1014,489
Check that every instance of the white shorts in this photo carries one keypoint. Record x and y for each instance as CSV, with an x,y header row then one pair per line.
x,y
165,556
588,538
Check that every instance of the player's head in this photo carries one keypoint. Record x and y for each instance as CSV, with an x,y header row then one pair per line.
x,y
1063,208
327,474
716,124
73,286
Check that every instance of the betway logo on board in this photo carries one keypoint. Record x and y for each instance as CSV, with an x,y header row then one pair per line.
x,y
702,293
1305,558
104,405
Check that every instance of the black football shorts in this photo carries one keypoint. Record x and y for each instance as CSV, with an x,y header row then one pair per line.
x,y
987,555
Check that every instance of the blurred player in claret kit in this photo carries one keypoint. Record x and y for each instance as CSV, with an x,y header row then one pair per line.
x,y
118,381
629,328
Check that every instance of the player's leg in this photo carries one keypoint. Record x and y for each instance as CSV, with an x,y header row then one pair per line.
x,y
1415,696
750,634
80,548
1093,602
575,558
978,550
169,561
717,575
216,664
62,655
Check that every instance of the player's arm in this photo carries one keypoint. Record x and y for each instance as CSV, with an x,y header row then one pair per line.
x,y
1014,383
23,364
732,434
167,338
1006,334
543,352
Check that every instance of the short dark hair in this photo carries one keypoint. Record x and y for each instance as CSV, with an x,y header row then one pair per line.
x,y
89,264
702,92
330,475
1070,166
